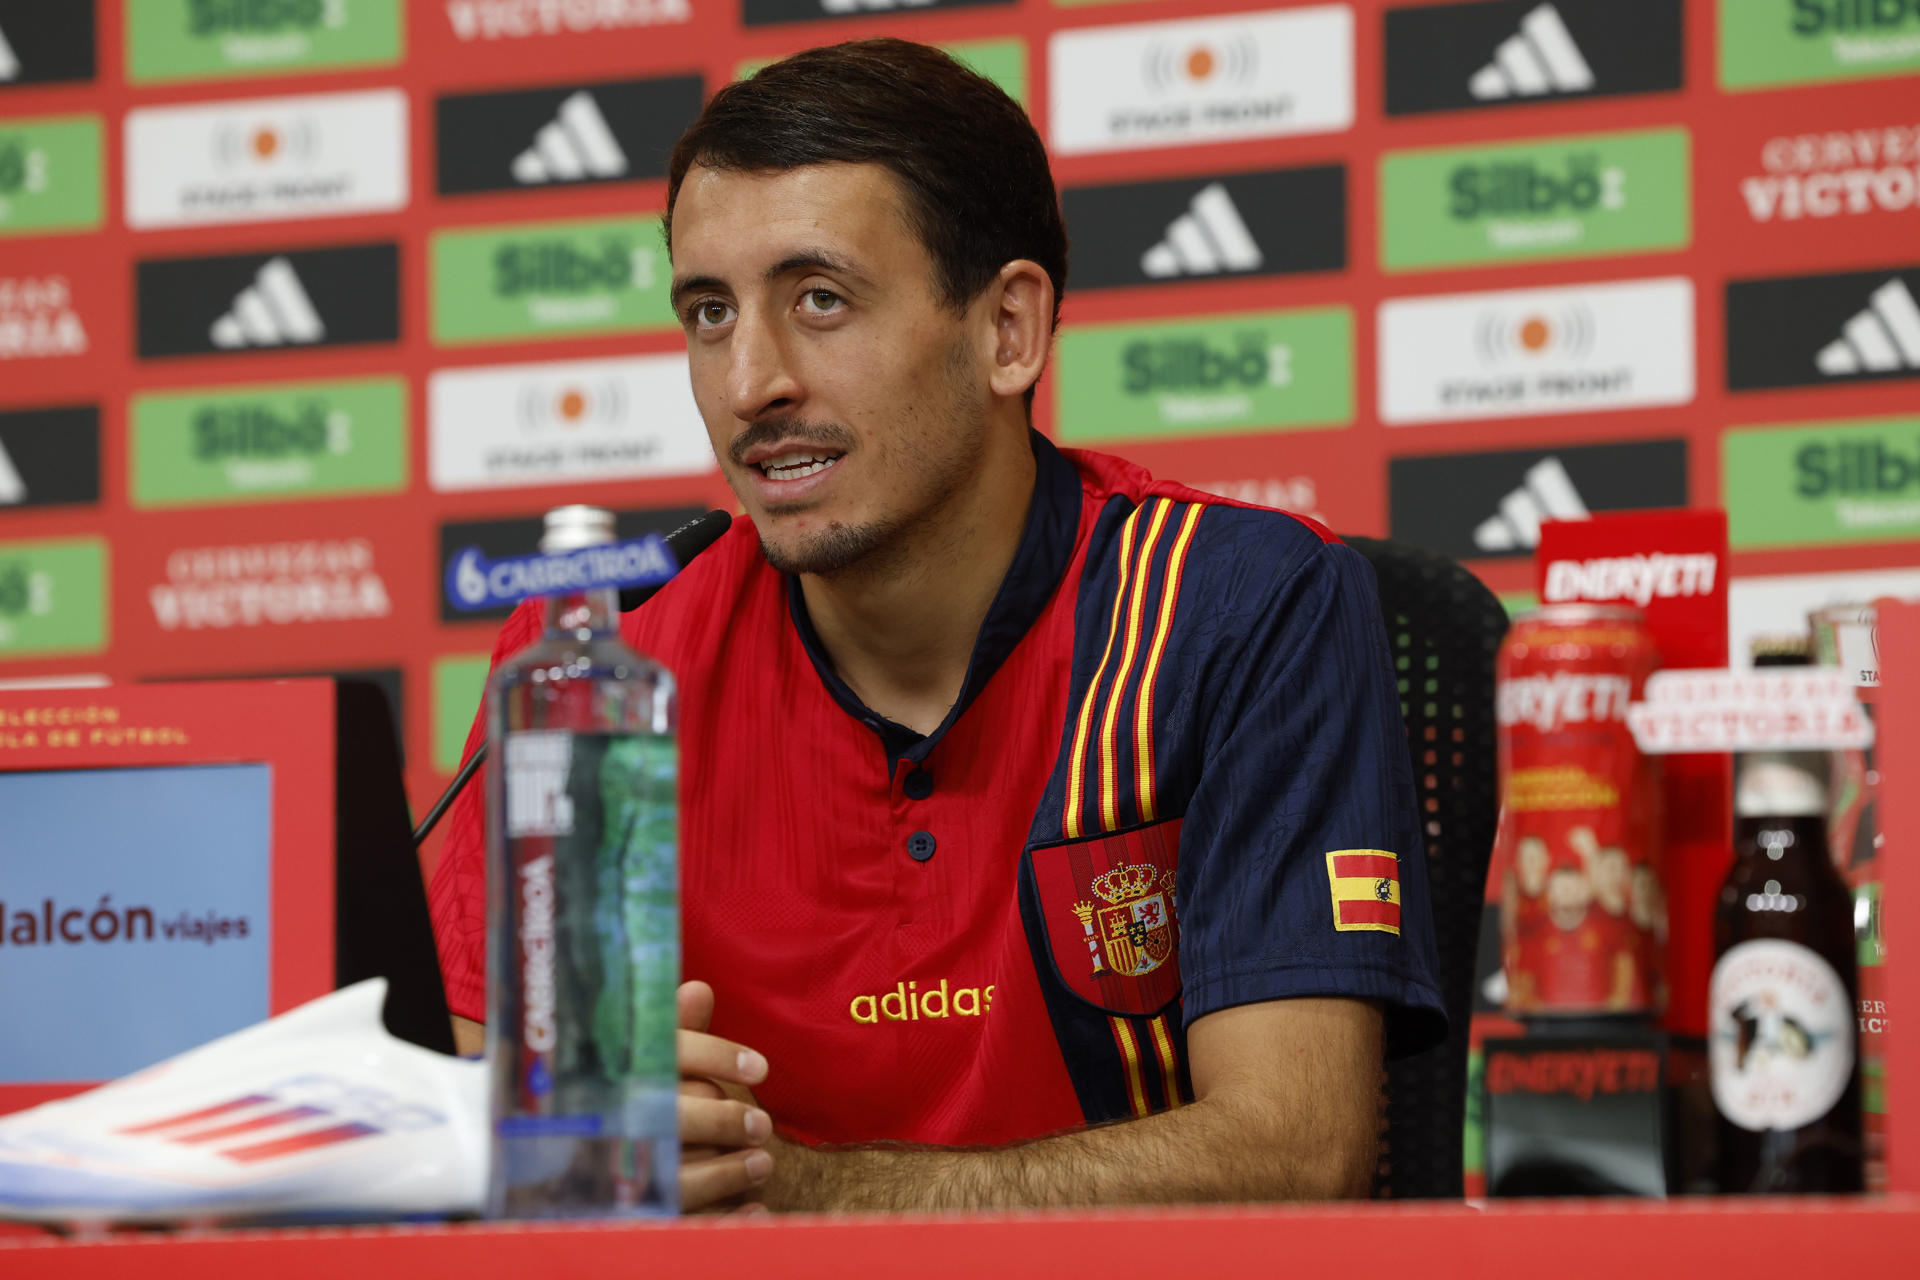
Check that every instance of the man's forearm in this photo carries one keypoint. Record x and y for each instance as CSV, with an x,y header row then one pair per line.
x,y
1214,1149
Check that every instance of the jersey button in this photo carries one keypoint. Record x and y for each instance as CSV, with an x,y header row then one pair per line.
x,y
921,845
918,785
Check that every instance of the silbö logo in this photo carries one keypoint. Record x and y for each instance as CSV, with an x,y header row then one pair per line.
x,y
258,448
1193,380
1871,483
1516,196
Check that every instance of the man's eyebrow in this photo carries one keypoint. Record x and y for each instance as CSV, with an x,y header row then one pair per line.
x,y
804,260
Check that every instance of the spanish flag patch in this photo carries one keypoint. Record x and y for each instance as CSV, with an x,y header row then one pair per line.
x,y
1366,889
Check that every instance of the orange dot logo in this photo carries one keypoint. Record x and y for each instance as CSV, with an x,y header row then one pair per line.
x,y
265,143
1200,63
1535,333
572,406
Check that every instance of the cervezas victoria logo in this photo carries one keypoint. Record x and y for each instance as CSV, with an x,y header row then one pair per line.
x,y
253,302
1840,173
611,131
1242,224
38,319
265,158
1160,84
1452,56
1535,351
45,43
1811,330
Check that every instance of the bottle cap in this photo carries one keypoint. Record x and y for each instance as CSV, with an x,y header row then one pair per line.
x,y
1772,786
574,527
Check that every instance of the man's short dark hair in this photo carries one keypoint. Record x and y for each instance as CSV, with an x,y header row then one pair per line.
x,y
974,171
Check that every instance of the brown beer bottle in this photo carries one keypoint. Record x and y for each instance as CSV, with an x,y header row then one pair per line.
x,y
1781,1007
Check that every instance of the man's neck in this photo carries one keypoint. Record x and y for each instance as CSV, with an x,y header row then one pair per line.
x,y
901,633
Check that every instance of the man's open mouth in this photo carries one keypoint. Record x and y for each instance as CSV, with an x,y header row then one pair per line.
x,y
797,466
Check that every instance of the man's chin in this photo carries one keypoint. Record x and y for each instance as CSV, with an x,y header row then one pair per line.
x,y
831,549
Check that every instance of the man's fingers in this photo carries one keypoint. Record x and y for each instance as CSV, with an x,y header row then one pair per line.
x,y
700,1089
694,1003
723,1123
717,1059
708,1184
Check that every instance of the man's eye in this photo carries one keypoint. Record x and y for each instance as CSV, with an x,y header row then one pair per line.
x,y
821,300
711,313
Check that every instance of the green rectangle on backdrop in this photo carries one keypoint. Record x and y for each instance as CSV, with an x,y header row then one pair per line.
x,y
551,280
53,597
1570,197
270,441
1263,371
459,685
49,175
1774,42
196,39
1812,484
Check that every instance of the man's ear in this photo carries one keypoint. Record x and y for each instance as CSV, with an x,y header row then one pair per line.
x,y
1022,326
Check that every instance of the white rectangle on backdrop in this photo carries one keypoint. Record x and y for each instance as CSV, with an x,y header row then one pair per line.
x,y
1523,352
1165,84
1778,604
261,159
506,426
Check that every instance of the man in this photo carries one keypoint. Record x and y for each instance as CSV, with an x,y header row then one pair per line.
x,y
1048,833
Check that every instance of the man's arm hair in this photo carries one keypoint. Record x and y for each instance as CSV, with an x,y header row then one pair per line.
x,y
1287,1106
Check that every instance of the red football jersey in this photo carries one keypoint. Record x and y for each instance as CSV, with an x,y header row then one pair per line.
x,y
1177,712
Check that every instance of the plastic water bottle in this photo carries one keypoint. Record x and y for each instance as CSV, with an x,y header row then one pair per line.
x,y
583,913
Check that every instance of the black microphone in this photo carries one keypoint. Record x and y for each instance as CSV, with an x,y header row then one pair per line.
x,y
686,542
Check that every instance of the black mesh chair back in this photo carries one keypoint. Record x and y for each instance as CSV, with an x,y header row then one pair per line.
x,y
1444,627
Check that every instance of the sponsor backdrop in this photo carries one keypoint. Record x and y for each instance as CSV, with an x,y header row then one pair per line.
x,y
298,297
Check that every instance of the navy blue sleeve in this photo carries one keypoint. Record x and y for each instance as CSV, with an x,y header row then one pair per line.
x,y
1302,871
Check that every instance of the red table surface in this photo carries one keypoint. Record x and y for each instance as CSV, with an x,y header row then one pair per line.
x,y
1872,1237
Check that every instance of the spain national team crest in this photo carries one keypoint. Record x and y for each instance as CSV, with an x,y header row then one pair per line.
x,y
1111,918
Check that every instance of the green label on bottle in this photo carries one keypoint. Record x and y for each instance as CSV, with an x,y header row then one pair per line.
x,y
1773,42
259,443
53,597
49,175
195,39
551,280
1263,371
1572,197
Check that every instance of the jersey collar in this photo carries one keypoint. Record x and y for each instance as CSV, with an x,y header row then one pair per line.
x,y
1046,547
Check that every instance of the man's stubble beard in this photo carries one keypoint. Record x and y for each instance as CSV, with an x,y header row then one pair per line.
x,y
883,546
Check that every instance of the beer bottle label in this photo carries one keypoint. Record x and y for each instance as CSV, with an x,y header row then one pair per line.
x,y
1780,1035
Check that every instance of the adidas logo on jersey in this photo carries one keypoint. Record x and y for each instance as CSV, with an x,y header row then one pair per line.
x,y
272,311
1541,59
1883,338
1209,238
1547,494
578,144
9,61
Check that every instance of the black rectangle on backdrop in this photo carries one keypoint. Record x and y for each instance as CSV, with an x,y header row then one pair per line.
x,y
1447,57
196,306
1276,222
1453,502
519,536
49,457
1813,331
45,41
491,141
760,12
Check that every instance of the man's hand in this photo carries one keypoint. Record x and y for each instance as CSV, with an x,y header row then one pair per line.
x,y
723,1131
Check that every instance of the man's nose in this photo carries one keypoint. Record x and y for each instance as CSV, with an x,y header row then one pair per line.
x,y
760,375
